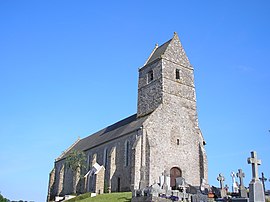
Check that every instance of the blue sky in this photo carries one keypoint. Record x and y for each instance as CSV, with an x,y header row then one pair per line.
x,y
70,68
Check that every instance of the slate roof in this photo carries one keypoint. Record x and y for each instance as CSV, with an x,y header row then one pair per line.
x,y
158,52
109,133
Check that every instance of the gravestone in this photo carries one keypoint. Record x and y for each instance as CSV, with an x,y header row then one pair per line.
x,y
199,197
234,185
263,179
155,190
165,185
182,185
180,181
256,193
204,187
242,188
227,188
221,180
164,181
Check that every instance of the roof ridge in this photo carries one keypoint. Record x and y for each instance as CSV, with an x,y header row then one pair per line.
x,y
156,47
67,150
158,52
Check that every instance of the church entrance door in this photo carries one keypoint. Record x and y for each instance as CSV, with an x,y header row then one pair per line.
x,y
175,172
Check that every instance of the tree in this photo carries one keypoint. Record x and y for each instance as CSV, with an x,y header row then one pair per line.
x,y
76,161
2,199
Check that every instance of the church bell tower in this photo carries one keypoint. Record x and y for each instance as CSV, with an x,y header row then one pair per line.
x,y
167,75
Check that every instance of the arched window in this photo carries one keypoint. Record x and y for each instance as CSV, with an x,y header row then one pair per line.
x,y
127,151
89,162
105,157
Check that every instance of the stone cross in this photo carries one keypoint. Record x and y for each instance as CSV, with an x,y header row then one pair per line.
x,y
242,189
256,193
165,186
263,179
241,176
221,179
254,161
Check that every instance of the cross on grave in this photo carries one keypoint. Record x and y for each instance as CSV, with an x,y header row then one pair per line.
x,y
241,176
165,186
256,193
254,161
242,189
234,185
221,179
263,179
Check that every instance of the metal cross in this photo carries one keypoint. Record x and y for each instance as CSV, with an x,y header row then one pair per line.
x,y
221,179
241,176
263,179
254,161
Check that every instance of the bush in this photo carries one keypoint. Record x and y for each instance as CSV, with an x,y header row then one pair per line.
x,y
2,199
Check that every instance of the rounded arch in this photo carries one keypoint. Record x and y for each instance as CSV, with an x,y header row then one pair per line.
x,y
175,172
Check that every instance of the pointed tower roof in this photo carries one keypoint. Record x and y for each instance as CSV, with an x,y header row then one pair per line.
x,y
172,50
157,52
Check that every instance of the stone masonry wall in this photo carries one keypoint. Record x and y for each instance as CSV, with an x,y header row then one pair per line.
x,y
172,130
115,167
149,93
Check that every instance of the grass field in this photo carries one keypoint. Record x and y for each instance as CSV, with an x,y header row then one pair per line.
x,y
112,197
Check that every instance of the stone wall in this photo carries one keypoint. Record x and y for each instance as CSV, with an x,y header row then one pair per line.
x,y
100,181
149,93
51,185
115,168
172,131
170,136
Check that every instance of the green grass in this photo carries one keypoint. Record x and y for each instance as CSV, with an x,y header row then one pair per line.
x,y
112,197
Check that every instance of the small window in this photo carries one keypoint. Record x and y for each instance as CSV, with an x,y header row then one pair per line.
x,y
105,157
150,76
177,73
177,141
89,163
127,153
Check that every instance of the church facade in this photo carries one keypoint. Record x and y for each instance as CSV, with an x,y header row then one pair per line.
x,y
163,135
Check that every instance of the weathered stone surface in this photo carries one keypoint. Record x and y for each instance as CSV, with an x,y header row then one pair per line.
x,y
168,137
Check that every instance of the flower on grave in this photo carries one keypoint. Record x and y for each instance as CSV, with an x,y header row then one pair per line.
x,y
174,198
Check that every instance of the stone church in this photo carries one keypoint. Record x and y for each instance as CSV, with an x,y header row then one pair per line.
x,y
163,136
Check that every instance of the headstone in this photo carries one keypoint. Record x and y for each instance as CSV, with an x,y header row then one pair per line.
x,y
263,179
242,188
204,187
161,179
221,180
234,185
256,193
155,190
165,181
199,198
182,185
179,181
226,188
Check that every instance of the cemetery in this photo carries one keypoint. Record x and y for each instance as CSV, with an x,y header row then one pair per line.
x,y
162,190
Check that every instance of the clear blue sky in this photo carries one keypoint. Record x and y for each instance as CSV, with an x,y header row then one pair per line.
x,y
69,68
